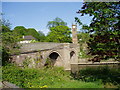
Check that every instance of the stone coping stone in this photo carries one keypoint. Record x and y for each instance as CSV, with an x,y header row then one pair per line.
x,y
6,84
96,63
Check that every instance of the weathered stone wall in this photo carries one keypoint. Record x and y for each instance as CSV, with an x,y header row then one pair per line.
x,y
31,59
7,85
28,47
37,54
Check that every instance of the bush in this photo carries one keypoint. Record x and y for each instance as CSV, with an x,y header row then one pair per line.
x,y
103,74
54,77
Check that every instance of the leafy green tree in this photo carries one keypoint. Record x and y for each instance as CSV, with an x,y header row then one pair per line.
x,y
8,41
6,23
56,22
9,45
5,29
33,32
42,36
104,28
59,34
83,37
20,30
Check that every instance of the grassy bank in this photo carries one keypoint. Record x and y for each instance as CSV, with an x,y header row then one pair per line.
x,y
110,77
44,78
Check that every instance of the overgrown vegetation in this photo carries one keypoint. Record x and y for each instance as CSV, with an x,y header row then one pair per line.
x,y
110,77
83,39
9,45
43,78
104,28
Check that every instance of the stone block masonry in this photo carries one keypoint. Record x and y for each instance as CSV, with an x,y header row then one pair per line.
x,y
36,54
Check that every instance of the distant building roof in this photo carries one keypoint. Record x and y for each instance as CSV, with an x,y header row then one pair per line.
x,y
29,37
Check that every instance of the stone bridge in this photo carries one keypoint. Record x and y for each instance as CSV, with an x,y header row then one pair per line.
x,y
60,54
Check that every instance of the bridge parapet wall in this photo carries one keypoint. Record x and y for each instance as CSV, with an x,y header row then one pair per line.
x,y
28,47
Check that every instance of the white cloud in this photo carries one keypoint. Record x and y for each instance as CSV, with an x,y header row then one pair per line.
x,y
42,0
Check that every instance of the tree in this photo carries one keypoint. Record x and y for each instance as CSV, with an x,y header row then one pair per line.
x,y
5,29
33,32
9,45
59,34
56,22
6,23
42,36
104,28
20,30
83,37
8,41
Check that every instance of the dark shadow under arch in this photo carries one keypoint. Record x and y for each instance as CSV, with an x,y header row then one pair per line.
x,y
53,55
72,53
52,59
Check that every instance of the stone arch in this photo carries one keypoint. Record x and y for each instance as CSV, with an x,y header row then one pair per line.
x,y
72,56
54,59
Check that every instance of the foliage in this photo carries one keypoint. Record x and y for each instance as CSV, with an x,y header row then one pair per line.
x,y
78,21
30,62
9,45
56,22
104,28
84,51
59,34
105,45
103,74
5,23
33,41
9,41
5,29
27,62
33,32
42,36
43,78
20,30
83,37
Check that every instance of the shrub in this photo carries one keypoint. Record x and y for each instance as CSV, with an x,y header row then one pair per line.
x,y
54,77
103,74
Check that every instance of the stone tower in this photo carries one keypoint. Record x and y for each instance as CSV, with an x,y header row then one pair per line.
x,y
74,34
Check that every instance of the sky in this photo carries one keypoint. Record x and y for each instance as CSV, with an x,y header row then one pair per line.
x,y
37,14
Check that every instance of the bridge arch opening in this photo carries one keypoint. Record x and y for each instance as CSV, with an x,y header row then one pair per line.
x,y
53,55
72,56
52,58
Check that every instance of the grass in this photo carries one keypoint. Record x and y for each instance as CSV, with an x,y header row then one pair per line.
x,y
110,77
44,78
